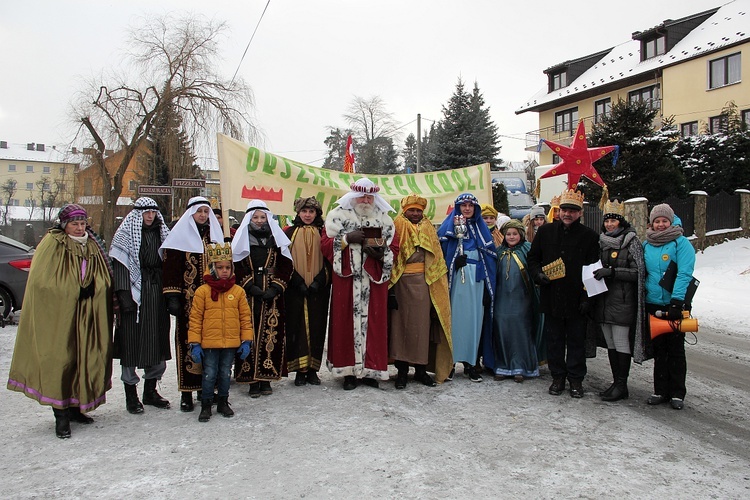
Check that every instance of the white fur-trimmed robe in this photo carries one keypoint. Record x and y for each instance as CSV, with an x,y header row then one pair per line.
x,y
358,329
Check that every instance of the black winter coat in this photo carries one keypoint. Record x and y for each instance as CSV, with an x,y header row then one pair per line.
x,y
577,245
619,304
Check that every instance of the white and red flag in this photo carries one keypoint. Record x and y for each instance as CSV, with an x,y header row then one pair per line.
x,y
349,156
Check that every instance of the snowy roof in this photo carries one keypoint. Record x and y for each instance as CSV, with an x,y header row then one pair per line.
x,y
728,26
50,154
97,200
20,214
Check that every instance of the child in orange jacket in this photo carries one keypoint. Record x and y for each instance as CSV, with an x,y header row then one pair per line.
x,y
220,325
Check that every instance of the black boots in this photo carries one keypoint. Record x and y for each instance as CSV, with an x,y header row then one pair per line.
x,y
132,404
205,415
151,397
265,388
620,390
557,386
186,401
62,423
403,371
612,355
576,389
420,375
312,377
223,408
350,382
75,415
300,379
254,390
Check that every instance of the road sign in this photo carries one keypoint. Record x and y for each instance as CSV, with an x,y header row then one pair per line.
x,y
189,183
155,190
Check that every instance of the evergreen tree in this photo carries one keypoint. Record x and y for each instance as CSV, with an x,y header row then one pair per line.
x,y
377,156
500,198
171,158
466,135
409,153
645,166
336,144
717,162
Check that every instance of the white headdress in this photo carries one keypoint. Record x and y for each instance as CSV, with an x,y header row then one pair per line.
x,y
241,241
185,237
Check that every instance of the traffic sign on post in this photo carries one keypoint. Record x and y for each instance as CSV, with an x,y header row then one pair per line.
x,y
189,183
155,190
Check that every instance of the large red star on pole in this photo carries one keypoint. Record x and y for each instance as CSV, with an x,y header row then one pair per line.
x,y
577,160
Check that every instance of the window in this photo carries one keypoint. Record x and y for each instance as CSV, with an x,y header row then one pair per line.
x,y
746,118
724,71
208,176
132,185
27,202
717,124
61,186
30,169
30,186
654,47
45,170
62,170
566,120
601,109
14,202
688,129
45,186
558,80
649,95
11,168
88,187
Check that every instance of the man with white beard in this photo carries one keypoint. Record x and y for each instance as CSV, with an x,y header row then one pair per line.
x,y
360,241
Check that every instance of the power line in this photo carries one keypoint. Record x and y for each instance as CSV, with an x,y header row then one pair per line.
x,y
251,40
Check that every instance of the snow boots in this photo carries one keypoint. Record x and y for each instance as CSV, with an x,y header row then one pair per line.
x,y
620,390
151,397
223,408
62,423
205,414
132,404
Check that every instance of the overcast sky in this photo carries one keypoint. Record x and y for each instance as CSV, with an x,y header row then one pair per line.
x,y
309,58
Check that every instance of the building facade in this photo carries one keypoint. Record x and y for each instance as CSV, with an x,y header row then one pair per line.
x,y
690,69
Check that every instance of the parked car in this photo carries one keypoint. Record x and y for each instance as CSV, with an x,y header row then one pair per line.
x,y
519,204
15,262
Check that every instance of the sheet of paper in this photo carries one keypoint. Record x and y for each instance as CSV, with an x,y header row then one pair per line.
x,y
593,286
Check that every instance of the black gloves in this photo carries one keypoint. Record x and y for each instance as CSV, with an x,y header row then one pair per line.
x,y
272,291
173,305
460,261
254,291
392,302
127,304
674,312
375,252
542,279
86,292
604,272
357,236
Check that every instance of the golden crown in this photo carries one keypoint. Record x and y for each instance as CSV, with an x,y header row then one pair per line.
x,y
555,201
555,269
572,197
413,201
218,252
614,207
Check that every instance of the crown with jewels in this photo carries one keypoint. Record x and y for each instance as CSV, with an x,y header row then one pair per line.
x,y
614,207
218,252
555,201
571,197
413,201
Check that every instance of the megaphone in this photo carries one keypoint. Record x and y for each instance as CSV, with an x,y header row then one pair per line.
x,y
661,326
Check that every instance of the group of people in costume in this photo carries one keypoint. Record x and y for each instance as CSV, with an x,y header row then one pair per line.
x,y
479,291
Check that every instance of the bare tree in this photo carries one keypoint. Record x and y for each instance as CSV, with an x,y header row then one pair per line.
x,y
49,192
171,63
8,190
369,119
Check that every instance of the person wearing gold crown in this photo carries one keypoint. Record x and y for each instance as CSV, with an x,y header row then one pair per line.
x,y
361,243
620,310
490,216
220,326
566,246
419,302
264,266
142,334
185,264
308,293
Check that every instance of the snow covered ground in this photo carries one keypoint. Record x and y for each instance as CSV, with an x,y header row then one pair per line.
x,y
458,440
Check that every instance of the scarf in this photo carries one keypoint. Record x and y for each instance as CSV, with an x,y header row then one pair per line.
x,y
218,285
306,254
659,238
421,235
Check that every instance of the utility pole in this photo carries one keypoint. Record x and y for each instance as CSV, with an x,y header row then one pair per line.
x,y
419,142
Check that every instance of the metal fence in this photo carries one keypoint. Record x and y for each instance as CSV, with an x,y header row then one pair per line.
x,y
684,208
722,211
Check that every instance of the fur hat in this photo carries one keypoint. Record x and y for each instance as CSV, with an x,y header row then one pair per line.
x,y
536,211
662,210
310,202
